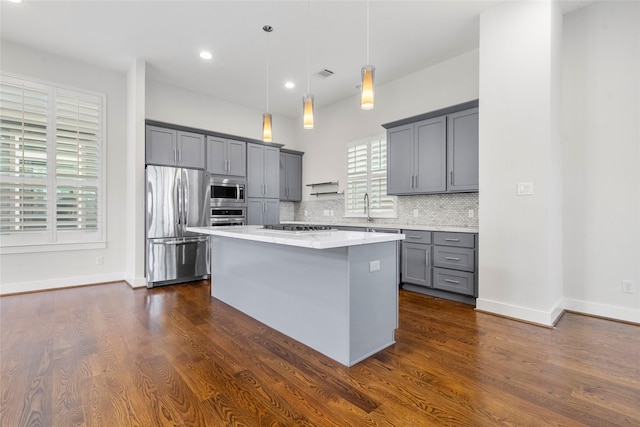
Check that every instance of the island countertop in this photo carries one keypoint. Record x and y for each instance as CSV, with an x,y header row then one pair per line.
x,y
313,240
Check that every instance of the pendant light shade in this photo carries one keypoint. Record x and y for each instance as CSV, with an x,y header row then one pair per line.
x,y
368,76
266,128
307,109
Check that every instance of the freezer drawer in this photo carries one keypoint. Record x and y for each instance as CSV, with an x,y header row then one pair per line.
x,y
176,260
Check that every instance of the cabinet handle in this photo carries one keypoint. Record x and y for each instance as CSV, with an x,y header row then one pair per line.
x,y
416,181
426,258
415,237
227,165
175,154
451,178
411,181
450,258
451,240
179,155
452,281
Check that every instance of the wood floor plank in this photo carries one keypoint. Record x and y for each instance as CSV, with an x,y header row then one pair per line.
x,y
110,355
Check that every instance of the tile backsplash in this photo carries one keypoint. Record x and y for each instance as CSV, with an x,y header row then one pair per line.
x,y
433,209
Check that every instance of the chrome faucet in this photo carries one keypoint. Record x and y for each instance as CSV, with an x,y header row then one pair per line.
x,y
367,208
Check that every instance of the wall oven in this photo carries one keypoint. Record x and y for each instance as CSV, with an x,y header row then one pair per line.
x,y
227,192
226,216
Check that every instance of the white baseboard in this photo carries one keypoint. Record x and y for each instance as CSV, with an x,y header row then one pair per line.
x,y
65,282
541,317
136,282
602,310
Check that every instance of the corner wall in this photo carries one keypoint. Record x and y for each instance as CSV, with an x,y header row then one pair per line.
x,y
602,159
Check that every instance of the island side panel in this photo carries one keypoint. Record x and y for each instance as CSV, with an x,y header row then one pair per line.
x,y
373,299
300,292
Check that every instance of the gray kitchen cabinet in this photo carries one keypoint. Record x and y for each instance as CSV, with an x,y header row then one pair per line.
x,y
416,157
462,150
169,147
435,152
226,157
263,171
262,211
290,176
441,264
416,264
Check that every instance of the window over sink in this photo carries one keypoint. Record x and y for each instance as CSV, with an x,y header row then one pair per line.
x,y
367,173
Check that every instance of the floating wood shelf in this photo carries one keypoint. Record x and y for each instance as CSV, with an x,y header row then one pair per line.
x,y
326,192
323,183
318,184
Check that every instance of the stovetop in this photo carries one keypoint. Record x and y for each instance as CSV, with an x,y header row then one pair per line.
x,y
297,227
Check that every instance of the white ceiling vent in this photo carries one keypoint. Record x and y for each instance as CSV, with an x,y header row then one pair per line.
x,y
324,73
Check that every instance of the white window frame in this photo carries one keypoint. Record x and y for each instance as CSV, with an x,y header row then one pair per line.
x,y
369,176
54,239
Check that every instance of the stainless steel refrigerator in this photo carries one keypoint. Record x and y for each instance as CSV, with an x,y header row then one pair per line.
x,y
176,198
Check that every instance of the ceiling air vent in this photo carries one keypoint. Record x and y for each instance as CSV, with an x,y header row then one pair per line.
x,y
324,73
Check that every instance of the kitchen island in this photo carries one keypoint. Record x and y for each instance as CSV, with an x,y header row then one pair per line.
x,y
334,291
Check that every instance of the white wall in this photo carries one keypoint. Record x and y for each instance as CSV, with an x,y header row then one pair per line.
x,y
447,83
602,158
182,107
23,272
520,263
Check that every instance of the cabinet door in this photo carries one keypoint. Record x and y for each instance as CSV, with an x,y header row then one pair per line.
x,y
431,155
272,172
272,211
160,146
283,176
294,177
216,160
255,170
462,147
416,264
255,212
236,158
400,160
190,150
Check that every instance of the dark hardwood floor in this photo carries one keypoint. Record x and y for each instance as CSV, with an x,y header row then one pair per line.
x,y
108,355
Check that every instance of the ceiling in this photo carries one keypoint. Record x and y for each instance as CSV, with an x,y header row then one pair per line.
x,y
405,36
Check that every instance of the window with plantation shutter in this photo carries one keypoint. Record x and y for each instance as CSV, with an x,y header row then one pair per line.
x,y
367,173
51,163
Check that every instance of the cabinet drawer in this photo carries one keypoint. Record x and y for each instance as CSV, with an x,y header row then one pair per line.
x,y
455,258
417,236
463,240
454,281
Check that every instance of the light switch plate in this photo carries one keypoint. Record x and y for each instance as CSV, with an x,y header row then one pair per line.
x,y
374,265
525,188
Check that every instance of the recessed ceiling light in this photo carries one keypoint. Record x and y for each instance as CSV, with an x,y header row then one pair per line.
x,y
15,1
205,55
289,85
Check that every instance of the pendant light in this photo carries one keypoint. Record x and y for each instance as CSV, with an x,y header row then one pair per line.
x,y
367,77
266,117
307,98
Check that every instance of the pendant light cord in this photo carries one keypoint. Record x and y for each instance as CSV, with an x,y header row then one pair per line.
x,y
308,43
367,32
267,71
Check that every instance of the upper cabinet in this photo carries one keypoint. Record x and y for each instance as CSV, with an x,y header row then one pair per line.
x,y
434,153
290,175
169,147
226,157
263,167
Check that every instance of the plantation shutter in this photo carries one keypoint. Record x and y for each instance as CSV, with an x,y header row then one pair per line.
x,y
77,162
367,173
23,157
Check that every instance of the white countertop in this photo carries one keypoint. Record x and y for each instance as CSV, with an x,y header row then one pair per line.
x,y
313,240
456,229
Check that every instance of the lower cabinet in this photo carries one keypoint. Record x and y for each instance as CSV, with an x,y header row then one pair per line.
x,y
440,263
263,211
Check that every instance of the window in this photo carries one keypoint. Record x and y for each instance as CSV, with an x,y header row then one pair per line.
x,y
51,164
367,173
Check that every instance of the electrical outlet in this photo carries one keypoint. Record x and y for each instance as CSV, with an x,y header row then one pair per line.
x,y
374,266
628,287
415,213
99,260
326,212
525,188
306,212
331,212
470,213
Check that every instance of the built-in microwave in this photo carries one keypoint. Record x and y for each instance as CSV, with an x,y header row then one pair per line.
x,y
227,192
